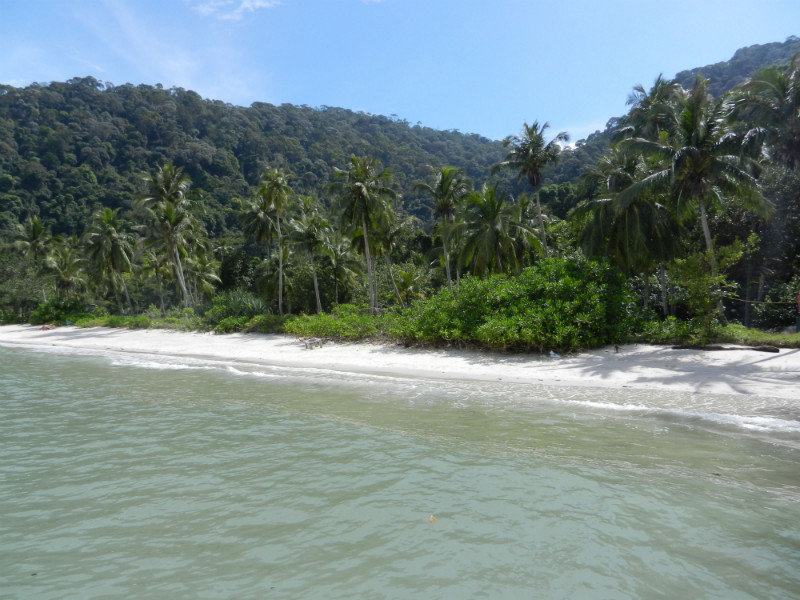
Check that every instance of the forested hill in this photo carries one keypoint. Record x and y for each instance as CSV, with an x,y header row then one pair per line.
x,y
726,75
67,148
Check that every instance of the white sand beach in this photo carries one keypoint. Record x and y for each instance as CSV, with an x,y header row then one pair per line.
x,y
735,371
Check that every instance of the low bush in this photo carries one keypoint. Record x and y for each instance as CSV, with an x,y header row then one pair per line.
x,y
559,303
265,324
345,321
8,316
231,324
58,311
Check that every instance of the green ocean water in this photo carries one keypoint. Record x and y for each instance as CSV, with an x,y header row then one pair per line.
x,y
128,476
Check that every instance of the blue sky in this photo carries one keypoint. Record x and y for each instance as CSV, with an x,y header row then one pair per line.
x,y
478,66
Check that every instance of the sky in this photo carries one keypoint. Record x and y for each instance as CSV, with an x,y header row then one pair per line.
x,y
476,66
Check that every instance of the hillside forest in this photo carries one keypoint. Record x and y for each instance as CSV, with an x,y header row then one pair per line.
x,y
138,205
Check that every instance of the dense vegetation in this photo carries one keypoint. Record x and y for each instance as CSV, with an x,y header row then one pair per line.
x,y
139,206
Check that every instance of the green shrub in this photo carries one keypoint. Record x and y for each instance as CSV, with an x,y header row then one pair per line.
x,y
265,324
235,303
57,311
345,321
8,316
780,309
139,322
559,303
231,324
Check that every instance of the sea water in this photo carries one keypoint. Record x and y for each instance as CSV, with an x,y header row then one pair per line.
x,y
127,476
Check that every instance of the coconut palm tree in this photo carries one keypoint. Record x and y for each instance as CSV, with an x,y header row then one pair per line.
x,y
772,99
263,215
651,111
109,251
170,225
203,271
448,190
33,239
529,155
705,164
155,266
636,232
345,263
309,232
66,264
388,235
489,228
364,198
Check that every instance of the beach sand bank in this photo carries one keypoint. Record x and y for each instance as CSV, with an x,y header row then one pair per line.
x,y
735,371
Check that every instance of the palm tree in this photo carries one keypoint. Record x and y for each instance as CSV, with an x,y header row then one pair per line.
x,y
449,188
156,267
772,99
172,229
529,156
489,224
634,232
109,250
651,111
263,214
203,271
388,234
33,239
344,261
309,231
705,163
364,197
170,226
66,263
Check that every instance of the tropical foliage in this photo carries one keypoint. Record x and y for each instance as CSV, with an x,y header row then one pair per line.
x,y
164,209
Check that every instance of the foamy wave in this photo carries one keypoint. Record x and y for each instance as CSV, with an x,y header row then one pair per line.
x,y
235,371
158,365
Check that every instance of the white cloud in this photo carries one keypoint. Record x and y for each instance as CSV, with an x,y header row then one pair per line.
x,y
230,10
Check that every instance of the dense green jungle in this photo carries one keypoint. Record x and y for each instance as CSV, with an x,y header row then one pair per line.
x,y
140,206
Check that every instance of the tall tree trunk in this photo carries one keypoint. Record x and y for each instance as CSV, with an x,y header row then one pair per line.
x,y
542,233
707,236
316,285
181,278
127,295
280,266
373,300
447,263
711,255
662,281
394,283
747,292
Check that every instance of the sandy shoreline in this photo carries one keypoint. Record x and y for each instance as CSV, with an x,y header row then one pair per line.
x,y
745,372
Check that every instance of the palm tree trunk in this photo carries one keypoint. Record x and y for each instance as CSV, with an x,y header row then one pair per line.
x,y
316,285
707,235
394,283
447,264
127,295
542,234
711,256
280,266
373,300
662,280
181,278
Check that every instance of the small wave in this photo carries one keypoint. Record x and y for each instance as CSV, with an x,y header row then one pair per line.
x,y
757,423
235,371
157,365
